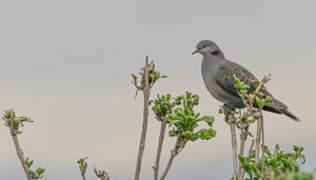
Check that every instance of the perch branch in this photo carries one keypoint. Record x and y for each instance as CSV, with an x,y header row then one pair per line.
x,y
161,138
146,92
231,120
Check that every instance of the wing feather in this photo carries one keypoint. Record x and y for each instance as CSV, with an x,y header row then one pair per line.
x,y
226,80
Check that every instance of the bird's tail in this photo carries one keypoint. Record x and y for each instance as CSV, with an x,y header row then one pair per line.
x,y
290,115
277,106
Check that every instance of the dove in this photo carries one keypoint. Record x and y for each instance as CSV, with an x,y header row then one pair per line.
x,y
217,73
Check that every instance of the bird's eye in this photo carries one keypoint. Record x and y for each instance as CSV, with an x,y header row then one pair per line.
x,y
204,46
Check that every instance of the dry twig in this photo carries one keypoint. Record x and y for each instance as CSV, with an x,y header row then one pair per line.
x,y
101,174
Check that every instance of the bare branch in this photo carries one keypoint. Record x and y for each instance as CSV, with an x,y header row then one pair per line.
x,y
234,146
161,139
101,174
243,138
262,145
258,135
251,146
19,152
231,120
146,92
179,145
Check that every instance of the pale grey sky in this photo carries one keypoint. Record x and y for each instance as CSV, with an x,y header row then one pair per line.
x,y
67,65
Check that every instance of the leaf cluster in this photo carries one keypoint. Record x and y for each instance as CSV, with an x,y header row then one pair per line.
x,y
240,85
38,173
163,105
139,82
256,96
260,100
277,165
154,76
181,117
13,122
296,176
82,162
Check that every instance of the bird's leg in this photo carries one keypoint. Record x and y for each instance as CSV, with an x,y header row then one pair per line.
x,y
229,112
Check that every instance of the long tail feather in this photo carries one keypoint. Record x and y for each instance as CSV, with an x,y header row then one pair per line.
x,y
290,115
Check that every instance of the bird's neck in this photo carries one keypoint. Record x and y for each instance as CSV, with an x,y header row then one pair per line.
x,y
210,61
217,53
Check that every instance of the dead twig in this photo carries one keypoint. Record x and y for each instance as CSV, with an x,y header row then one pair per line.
x,y
101,174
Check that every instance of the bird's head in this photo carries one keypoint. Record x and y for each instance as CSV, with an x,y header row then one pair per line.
x,y
208,47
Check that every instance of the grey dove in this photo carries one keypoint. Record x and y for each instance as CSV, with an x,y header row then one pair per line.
x,y
218,73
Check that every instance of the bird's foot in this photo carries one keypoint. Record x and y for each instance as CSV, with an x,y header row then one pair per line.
x,y
229,112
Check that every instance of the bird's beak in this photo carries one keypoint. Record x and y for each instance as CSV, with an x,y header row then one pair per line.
x,y
196,51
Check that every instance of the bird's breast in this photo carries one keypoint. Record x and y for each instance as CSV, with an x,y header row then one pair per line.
x,y
209,72
216,91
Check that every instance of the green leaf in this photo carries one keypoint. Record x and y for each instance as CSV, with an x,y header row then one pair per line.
x,y
267,100
258,93
206,134
29,162
208,119
173,133
259,102
134,76
252,154
252,120
40,171
9,115
81,161
301,149
250,134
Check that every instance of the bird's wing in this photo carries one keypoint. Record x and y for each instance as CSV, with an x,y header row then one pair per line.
x,y
225,79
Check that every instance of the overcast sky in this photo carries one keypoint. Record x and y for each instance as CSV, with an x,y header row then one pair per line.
x,y
67,64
